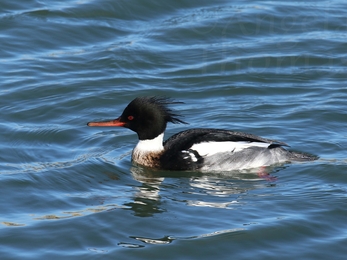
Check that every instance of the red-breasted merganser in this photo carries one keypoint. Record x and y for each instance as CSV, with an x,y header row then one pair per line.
x,y
199,149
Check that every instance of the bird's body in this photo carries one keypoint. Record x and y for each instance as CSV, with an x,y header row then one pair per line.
x,y
199,149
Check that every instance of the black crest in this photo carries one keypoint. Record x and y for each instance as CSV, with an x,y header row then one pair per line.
x,y
162,104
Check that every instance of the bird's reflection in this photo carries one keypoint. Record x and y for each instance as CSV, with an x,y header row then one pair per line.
x,y
146,201
219,190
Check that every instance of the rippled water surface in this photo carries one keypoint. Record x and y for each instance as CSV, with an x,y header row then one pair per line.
x,y
272,68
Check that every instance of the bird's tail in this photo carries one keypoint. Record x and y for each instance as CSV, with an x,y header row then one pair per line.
x,y
302,157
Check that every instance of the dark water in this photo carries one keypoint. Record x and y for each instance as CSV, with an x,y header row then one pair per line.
x,y
272,68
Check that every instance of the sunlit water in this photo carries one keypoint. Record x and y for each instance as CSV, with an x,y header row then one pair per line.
x,y
274,69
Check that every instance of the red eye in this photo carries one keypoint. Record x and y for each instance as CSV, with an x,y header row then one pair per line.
x,y
130,118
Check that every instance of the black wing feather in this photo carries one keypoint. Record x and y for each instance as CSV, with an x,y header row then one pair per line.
x,y
185,139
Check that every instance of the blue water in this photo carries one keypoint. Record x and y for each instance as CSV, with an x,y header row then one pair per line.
x,y
271,68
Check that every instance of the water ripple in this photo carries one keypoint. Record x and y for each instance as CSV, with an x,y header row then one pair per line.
x,y
251,67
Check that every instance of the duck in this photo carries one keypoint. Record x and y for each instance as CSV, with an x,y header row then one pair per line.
x,y
196,149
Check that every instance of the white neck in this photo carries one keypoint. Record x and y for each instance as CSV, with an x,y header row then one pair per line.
x,y
151,145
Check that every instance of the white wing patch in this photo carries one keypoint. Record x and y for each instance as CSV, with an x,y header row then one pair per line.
x,y
211,148
191,155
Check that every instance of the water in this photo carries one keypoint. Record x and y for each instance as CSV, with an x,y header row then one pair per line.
x,y
271,68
